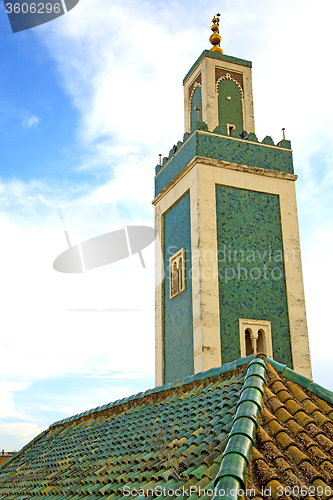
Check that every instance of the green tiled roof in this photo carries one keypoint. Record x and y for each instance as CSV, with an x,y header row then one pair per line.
x,y
224,430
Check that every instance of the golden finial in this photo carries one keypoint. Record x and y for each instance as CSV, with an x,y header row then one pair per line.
x,y
215,38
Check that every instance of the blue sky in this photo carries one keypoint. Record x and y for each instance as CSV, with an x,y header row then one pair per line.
x,y
87,102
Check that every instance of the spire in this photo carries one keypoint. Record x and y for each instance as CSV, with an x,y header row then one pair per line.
x,y
215,38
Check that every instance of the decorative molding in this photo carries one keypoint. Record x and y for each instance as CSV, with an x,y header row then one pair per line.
x,y
229,77
222,72
222,164
198,79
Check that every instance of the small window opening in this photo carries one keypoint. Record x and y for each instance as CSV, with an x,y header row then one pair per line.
x,y
261,344
177,273
230,128
180,274
248,342
174,278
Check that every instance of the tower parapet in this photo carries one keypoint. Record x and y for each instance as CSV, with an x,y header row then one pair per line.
x,y
218,145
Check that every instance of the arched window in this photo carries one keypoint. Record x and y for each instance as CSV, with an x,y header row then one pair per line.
x,y
255,337
177,273
174,278
248,342
180,273
261,342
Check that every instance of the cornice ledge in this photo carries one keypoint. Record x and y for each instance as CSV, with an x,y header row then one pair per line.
x,y
222,164
246,168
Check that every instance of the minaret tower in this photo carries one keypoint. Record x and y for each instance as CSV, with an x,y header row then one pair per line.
x,y
225,212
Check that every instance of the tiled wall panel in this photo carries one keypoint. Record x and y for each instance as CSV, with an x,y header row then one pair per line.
x,y
251,268
178,316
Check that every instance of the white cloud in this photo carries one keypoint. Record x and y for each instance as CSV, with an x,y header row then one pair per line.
x,y
30,120
26,204
22,432
318,276
7,404
126,83
43,337
117,76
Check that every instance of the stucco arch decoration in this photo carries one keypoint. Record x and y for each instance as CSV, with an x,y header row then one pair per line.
x,y
195,86
228,77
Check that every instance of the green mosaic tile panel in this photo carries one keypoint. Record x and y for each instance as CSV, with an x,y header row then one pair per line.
x,y
244,153
178,316
251,268
219,147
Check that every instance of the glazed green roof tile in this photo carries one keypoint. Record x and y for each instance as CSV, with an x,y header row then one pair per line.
x,y
72,454
202,431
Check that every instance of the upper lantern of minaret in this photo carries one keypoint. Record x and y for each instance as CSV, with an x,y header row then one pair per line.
x,y
218,90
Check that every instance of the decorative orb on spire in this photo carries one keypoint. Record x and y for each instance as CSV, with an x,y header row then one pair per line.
x,y
215,38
